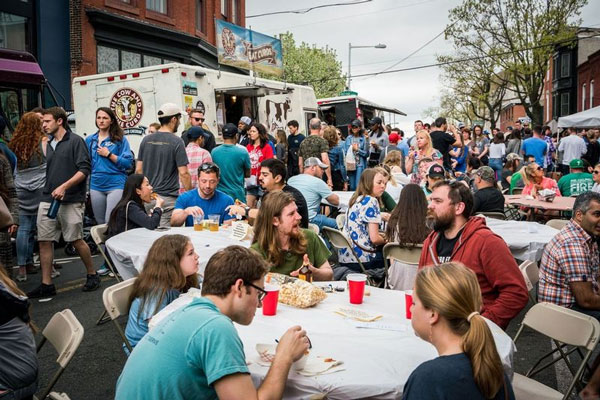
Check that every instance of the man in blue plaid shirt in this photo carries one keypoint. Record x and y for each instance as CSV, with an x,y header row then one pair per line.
x,y
569,267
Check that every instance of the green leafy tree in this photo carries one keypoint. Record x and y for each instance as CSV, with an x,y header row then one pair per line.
x,y
310,65
516,38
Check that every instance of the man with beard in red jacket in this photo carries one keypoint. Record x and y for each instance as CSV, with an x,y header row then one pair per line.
x,y
457,236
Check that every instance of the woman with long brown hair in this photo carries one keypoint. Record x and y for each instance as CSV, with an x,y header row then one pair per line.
x,y
19,366
445,313
259,149
9,195
29,145
170,269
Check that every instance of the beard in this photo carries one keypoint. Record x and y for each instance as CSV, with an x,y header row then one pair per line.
x,y
439,222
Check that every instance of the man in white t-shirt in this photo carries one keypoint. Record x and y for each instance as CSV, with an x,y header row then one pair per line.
x,y
573,147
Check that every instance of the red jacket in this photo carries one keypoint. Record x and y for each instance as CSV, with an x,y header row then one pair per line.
x,y
502,285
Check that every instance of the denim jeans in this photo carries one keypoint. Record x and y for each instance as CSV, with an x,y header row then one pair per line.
x,y
25,243
354,177
320,220
496,165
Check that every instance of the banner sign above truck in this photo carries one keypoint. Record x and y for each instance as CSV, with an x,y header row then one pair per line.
x,y
244,48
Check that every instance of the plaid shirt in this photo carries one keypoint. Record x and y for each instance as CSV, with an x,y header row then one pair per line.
x,y
196,157
571,256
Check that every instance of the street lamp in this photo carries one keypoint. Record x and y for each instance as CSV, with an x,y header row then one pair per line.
x,y
350,47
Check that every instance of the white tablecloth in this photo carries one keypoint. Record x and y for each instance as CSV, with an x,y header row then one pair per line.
x,y
377,362
526,240
129,249
344,200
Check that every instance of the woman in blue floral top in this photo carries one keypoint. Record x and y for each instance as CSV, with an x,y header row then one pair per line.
x,y
362,223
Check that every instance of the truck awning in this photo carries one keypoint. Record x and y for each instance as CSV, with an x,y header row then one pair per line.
x,y
20,67
254,90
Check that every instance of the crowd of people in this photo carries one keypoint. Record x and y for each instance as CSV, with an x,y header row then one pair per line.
x,y
423,191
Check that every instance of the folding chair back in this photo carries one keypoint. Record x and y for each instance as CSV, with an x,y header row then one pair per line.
x,y
404,254
314,228
116,303
564,326
531,273
557,223
494,215
65,333
98,233
340,220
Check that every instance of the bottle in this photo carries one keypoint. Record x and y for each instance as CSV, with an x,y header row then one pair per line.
x,y
305,273
53,210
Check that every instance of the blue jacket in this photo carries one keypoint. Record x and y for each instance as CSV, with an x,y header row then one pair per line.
x,y
107,175
363,149
337,159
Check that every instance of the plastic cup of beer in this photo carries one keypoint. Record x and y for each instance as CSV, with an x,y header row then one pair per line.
x,y
356,284
269,303
408,303
213,222
198,222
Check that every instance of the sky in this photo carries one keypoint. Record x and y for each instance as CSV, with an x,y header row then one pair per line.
x,y
402,25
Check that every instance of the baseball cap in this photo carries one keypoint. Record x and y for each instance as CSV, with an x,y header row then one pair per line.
x,y
436,171
486,173
394,137
246,120
230,130
312,161
513,156
168,110
356,123
195,132
576,163
376,120
461,125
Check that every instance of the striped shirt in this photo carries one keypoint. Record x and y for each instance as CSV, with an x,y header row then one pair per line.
x,y
196,157
571,256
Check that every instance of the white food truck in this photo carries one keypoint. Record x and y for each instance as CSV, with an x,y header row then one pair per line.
x,y
135,95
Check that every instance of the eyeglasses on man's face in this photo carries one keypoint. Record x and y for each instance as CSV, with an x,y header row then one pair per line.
x,y
260,291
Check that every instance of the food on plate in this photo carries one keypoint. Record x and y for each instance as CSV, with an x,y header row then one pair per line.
x,y
301,294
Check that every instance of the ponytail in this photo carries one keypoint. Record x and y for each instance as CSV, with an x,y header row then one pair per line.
x,y
478,344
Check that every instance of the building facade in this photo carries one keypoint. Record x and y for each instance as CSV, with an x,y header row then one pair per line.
x,y
588,77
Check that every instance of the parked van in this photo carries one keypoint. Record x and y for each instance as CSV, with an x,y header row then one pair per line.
x,y
135,95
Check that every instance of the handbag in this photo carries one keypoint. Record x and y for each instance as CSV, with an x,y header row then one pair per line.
x,y
6,219
350,160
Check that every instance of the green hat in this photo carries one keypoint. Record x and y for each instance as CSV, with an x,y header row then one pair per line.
x,y
576,163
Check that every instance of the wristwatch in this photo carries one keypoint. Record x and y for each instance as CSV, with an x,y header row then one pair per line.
x,y
247,209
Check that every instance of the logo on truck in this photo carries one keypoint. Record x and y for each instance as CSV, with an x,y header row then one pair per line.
x,y
128,107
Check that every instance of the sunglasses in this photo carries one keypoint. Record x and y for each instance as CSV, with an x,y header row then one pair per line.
x,y
198,119
261,292
540,168
209,167
596,172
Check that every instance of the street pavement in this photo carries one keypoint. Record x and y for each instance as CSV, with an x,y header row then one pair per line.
x,y
95,368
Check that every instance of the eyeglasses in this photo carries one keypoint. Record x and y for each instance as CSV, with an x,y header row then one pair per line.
x,y
539,168
209,167
261,292
198,119
596,172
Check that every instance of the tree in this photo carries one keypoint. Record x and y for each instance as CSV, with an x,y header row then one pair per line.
x,y
516,37
317,67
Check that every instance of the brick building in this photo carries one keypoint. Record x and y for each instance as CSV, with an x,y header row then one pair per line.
x,y
588,79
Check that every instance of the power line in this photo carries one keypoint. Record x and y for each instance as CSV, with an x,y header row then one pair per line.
x,y
307,10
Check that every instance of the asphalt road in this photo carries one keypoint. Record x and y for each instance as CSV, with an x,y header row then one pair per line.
x,y
95,368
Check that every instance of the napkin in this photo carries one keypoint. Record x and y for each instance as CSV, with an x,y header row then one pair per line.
x,y
357,314
320,366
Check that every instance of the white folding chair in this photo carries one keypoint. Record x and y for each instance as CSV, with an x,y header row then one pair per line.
x,y
314,228
407,255
116,303
562,325
65,333
340,220
557,223
493,214
531,274
98,233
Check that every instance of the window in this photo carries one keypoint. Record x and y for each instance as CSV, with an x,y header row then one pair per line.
x,y
151,60
111,59
108,59
555,73
564,104
159,6
13,32
234,11
565,65
200,15
583,93
224,7
547,106
592,94
130,60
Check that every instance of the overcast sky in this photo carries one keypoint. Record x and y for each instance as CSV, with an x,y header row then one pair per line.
x,y
402,25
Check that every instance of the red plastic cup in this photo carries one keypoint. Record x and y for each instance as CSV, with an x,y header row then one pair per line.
x,y
356,284
269,303
408,303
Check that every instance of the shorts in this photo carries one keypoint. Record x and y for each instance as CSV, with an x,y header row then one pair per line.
x,y
69,222
255,191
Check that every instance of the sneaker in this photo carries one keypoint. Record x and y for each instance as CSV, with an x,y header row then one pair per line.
x,y
103,271
92,283
54,273
42,291
19,273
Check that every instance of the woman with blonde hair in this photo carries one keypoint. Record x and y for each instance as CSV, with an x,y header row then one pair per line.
x,y
170,269
424,149
445,313
537,181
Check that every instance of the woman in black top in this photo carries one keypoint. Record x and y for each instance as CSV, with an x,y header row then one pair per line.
x,y
129,213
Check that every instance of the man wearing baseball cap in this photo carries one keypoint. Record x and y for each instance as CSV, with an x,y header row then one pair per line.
x,y
243,126
393,140
435,174
197,119
577,181
234,162
163,160
314,189
487,198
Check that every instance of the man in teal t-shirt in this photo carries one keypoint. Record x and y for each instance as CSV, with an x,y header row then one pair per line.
x,y
196,352
234,163
577,181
